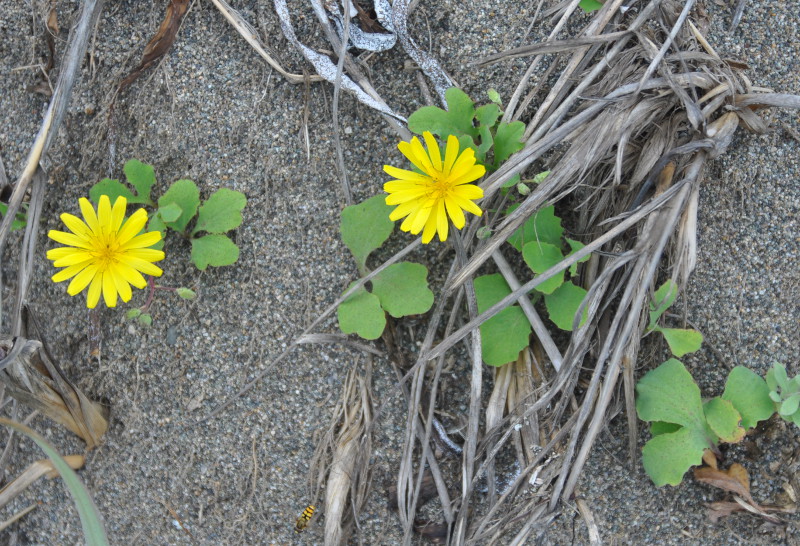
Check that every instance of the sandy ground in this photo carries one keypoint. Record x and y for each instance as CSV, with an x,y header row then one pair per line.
x,y
214,112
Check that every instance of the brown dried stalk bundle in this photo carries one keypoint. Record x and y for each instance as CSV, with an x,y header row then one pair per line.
x,y
30,376
626,131
341,460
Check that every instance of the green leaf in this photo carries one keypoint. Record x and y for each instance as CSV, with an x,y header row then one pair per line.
x,y
20,219
457,120
681,341
575,246
662,299
362,314
133,313
494,96
145,320
185,194
790,405
667,457
660,427
402,289
91,520
507,140
170,213
723,419
489,289
590,5
365,227
669,394
777,378
749,394
111,188
214,249
544,226
510,183
504,335
221,212
539,178
563,303
157,224
186,293
540,257
142,177
487,114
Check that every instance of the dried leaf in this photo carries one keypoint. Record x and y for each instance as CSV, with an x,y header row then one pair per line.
x,y
158,46
52,21
734,480
35,471
31,377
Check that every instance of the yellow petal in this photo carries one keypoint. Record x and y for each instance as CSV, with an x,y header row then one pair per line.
x,y
93,295
430,230
89,215
468,191
405,196
433,151
142,241
441,221
450,154
467,205
455,212
130,275
403,210
69,239
67,273
76,226
132,226
145,267
118,213
402,185
104,214
415,153
404,175
109,288
82,280
62,252
123,288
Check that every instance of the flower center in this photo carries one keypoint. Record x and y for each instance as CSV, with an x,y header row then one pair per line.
x,y
105,252
440,187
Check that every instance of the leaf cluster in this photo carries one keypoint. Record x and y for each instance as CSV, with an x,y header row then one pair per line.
x,y
178,207
683,426
20,219
400,290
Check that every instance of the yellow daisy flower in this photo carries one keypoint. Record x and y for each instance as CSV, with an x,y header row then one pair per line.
x,y
440,189
106,252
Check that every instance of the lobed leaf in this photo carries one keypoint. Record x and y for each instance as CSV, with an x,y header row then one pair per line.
x,y
365,227
221,212
723,419
111,188
563,303
402,289
544,227
213,249
662,300
362,314
456,120
185,194
668,393
504,335
749,394
142,177
681,341
540,257
507,140
667,457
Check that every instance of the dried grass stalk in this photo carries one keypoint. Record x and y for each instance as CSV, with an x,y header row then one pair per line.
x,y
32,377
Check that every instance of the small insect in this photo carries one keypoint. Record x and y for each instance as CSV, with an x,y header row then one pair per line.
x,y
305,517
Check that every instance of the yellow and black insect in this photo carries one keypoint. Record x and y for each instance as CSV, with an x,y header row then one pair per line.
x,y
305,517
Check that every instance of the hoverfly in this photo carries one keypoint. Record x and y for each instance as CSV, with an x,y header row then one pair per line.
x,y
305,517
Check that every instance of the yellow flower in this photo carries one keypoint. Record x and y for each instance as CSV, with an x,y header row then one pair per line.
x,y
105,253
441,189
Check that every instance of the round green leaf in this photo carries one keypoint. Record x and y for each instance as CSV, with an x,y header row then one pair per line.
x,y
157,224
544,227
170,213
790,405
215,249
185,194
563,303
142,177
186,293
489,289
724,420
402,289
362,314
504,335
111,188
540,257
667,457
749,394
456,120
366,226
682,341
669,394
221,212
